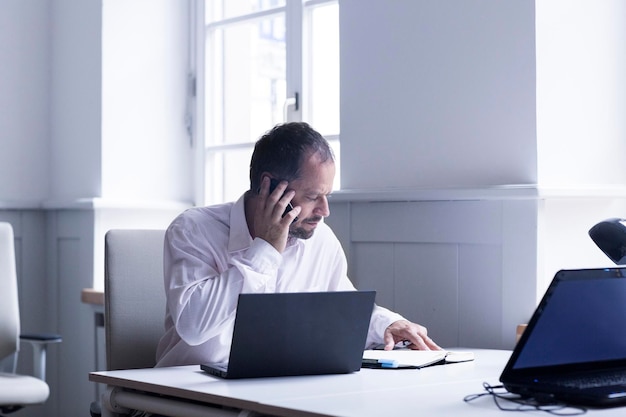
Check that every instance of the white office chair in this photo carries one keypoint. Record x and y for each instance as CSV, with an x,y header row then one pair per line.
x,y
17,391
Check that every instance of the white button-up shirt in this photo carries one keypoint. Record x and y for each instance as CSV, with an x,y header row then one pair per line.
x,y
210,258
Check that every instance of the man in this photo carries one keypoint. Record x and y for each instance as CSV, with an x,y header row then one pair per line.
x,y
212,254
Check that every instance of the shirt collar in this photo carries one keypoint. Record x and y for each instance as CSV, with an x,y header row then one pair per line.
x,y
239,238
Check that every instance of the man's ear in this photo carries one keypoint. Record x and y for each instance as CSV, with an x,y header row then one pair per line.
x,y
263,176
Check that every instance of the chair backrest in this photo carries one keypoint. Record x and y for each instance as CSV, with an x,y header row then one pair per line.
x,y
9,306
134,297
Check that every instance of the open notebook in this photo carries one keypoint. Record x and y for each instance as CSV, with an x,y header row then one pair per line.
x,y
412,359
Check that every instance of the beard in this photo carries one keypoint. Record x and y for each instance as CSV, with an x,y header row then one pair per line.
x,y
299,232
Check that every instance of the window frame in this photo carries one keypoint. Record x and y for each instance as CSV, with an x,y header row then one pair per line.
x,y
297,15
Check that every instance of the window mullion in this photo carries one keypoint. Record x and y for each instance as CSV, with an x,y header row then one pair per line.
x,y
293,40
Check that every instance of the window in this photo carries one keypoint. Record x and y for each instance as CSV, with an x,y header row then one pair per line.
x,y
260,63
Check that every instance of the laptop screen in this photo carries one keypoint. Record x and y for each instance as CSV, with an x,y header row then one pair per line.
x,y
580,320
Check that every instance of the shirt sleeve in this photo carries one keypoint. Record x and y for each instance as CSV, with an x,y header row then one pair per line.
x,y
381,319
203,281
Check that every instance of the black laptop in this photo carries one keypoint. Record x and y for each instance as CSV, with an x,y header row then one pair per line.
x,y
286,334
574,348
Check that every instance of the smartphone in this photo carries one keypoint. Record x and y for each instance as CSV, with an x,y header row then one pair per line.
x,y
273,184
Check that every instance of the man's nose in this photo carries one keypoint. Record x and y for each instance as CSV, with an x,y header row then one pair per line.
x,y
323,208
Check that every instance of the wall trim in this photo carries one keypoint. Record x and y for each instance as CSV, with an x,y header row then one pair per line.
x,y
93,204
498,192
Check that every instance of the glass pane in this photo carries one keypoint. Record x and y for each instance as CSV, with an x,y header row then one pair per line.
x,y
323,65
247,80
224,9
227,175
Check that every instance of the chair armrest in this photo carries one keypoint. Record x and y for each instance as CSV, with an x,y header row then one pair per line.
x,y
40,342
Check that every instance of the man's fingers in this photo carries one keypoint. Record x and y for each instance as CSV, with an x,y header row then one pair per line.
x,y
431,344
418,343
290,217
403,330
265,187
389,341
425,343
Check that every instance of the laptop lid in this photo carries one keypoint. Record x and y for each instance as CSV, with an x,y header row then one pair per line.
x,y
282,334
578,330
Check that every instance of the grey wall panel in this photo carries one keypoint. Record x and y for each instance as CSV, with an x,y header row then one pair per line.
x,y
427,288
480,301
455,266
428,221
373,270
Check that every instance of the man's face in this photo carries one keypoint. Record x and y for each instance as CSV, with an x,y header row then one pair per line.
x,y
312,191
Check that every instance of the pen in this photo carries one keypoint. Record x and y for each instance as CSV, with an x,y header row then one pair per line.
x,y
380,363
404,343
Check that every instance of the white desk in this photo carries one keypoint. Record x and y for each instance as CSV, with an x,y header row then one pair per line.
x,y
434,391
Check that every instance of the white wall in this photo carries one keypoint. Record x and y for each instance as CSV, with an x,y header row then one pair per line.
x,y
581,102
437,94
87,87
145,148
564,241
92,133
24,100
581,93
76,100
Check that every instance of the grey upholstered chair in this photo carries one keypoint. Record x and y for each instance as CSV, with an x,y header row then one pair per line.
x,y
134,298
134,303
17,391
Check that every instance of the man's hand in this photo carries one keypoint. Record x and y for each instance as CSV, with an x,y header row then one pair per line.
x,y
269,223
403,330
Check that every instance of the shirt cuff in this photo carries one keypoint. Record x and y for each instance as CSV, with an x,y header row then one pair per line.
x,y
263,261
381,319
263,257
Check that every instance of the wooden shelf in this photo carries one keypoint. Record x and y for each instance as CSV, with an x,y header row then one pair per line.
x,y
92,296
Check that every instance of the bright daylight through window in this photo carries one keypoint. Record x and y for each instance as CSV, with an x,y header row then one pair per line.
x,y
265,62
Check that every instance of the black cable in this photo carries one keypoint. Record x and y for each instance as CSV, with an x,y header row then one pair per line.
x,y
502,398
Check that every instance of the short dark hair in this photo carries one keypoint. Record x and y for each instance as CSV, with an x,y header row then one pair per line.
x,y
282,150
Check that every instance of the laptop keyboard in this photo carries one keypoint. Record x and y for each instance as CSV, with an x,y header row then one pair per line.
x,y
590,381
